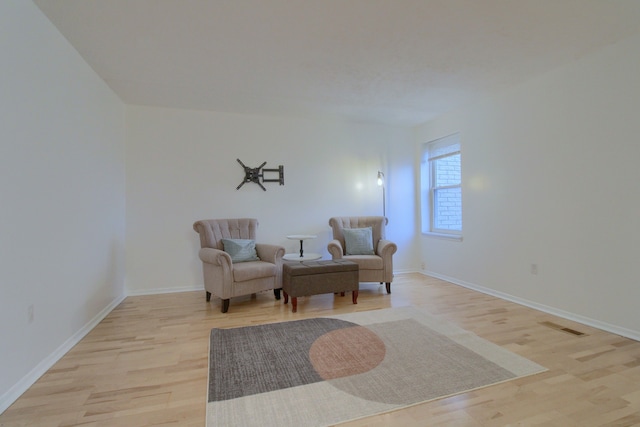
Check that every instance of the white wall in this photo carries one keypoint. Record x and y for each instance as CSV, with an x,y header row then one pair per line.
x,y
62,218
550,171
181,167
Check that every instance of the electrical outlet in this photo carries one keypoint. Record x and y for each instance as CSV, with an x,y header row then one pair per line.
x,y
423,266
534,268
30,313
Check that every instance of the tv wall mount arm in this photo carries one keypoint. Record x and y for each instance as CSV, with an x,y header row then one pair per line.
x,y
257,175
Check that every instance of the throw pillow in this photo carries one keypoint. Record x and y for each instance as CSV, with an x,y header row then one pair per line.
x,y
241,250
358,241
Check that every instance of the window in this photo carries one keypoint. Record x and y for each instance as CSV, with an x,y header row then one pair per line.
x,y
442,187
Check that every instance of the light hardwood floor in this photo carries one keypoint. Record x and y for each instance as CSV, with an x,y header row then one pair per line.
x,y
146,363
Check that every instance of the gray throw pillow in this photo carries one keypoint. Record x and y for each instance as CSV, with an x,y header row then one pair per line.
x,y
358,241
241,250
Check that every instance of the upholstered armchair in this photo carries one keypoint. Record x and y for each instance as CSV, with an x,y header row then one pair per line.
x,y
257,266
361,239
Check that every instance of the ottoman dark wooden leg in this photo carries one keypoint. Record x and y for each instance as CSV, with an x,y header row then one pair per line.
x,y
294,301
276,292
354,297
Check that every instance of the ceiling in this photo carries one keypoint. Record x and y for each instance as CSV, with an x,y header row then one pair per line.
x,y
398,62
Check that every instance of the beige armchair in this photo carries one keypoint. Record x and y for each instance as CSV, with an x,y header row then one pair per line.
x,y
227,279
375,265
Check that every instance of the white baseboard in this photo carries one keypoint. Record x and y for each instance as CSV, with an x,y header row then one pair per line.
x,y
614,329
134,292
28,380
406,270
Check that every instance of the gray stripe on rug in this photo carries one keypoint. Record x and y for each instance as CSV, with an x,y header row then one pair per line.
x,y
263,358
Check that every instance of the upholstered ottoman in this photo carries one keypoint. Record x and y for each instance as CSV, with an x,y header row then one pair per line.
x,y
300,279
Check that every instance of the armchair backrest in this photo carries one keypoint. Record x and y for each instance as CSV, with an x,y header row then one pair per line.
x,y
377,224
212,231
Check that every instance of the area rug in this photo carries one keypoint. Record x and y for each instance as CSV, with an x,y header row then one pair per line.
x,y
324,371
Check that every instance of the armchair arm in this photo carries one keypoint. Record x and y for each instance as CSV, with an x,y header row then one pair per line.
x,y
217,269
335,249
215,256
270,253
386,249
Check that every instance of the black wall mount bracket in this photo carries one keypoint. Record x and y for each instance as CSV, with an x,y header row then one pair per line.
x,y
257,175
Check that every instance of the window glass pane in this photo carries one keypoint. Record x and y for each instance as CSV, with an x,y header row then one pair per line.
x,y
447,170
441,184
447,209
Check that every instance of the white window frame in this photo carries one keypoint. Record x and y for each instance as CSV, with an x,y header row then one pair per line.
x,y
432,151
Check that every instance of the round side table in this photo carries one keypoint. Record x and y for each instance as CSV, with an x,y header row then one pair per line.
x,y
301,256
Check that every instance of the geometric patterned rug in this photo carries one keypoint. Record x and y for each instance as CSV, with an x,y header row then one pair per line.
x,y
328,370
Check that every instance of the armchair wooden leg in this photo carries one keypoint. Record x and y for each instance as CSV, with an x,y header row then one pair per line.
x,y
388,287
276,292
208,296
225,305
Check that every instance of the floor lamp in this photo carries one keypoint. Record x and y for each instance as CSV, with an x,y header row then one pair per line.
x,y
381,184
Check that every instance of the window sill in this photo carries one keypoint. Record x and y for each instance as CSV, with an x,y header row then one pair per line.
x,y
454,237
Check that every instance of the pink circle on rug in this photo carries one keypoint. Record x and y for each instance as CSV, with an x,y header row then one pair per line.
x,y
345,352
